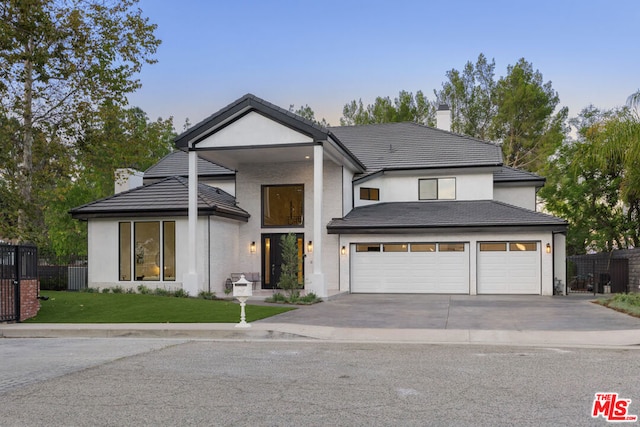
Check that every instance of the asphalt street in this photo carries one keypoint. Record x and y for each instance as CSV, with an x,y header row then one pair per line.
x,y
138,382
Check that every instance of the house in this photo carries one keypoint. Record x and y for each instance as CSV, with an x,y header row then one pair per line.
x,y
389,208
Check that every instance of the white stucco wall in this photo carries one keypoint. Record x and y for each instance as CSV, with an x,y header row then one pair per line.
x,y
524,197
223,256
251,130
249,181
227,185
103,253
559,248
404,188
473,238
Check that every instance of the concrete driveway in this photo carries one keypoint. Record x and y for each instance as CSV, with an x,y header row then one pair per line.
x,y
481,312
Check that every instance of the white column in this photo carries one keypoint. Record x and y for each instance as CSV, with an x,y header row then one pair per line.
x,y
317,282
190,278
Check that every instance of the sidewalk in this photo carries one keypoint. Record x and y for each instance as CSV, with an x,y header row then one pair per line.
x,y
425,319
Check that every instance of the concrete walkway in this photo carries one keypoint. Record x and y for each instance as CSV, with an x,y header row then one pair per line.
x,y
507,320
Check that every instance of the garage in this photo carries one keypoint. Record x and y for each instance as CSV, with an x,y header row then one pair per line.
x,y
509,268
429,267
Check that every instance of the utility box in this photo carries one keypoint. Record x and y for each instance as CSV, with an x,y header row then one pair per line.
x,y
242,288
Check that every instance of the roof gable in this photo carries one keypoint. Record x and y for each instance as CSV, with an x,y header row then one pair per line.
x,y
240,108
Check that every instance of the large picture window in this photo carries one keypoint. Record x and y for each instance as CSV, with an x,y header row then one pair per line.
x,y
437,189
283,205
150,253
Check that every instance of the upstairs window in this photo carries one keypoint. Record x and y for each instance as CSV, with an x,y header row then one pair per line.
x,y
283,205
437,189
369,193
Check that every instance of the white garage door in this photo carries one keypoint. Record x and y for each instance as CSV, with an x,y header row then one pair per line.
x,y
410,268
509,268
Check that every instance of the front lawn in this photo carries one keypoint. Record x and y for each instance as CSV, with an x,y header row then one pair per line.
x,y
626,303
85,307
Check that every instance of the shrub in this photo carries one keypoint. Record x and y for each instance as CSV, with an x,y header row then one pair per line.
x,y
180,293
277,298
161,292
130,291
310,298
289,271
105,290
117,290
143,289
207,295
90,290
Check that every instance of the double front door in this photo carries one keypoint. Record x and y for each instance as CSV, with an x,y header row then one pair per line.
x,y
272,259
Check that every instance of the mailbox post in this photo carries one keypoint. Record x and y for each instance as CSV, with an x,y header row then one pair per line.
x,y
242,290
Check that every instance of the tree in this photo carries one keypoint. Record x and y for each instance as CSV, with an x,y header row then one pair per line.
x,y
405,108
470,94
525,122
289,270
114,138
589,192
60,59
307,113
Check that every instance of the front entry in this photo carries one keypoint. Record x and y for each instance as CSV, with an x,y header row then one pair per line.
x,y
272,259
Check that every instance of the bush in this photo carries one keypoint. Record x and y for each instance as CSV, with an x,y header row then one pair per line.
x,y
277,298
90,290
180,293
130,291
143,289
105,290
117,290
161,292
207,295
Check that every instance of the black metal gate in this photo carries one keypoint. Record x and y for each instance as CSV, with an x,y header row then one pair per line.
x,y
16,263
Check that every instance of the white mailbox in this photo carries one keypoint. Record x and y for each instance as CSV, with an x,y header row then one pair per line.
x,y
242,288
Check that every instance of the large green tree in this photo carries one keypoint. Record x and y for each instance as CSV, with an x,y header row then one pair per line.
x,y
405,108
469,93
526,123
60,59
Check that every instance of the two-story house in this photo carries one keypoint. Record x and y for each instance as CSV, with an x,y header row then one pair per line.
x,y
391,208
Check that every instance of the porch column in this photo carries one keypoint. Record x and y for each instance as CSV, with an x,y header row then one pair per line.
x,y
317,282
190,278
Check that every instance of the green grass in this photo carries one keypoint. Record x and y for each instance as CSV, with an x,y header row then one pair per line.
x,y
85,307
626,303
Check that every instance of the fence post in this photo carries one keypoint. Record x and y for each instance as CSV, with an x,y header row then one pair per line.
x,y
16,282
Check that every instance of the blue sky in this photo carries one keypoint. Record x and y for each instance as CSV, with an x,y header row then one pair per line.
x,y
327,53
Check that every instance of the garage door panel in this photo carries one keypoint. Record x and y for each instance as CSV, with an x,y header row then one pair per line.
x,y
509,271
410,272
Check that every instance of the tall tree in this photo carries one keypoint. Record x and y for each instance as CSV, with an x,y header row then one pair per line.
x,y
307,112
470,94
60,59
405,108
525,122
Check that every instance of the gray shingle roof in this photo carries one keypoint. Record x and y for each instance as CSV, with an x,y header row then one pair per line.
x,y
177,164
509,174
440,214
414,146
167,197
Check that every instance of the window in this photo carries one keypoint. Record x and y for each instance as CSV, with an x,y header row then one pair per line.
x,y
451,247
282,205
437,189
423,247
395,247
368,247
150,254
523,246
369,193
493,247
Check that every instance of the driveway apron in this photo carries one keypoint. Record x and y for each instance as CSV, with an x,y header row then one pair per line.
x,y
481,312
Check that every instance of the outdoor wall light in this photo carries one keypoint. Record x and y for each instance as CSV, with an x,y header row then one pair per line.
x,y
253,247
310,246
343,250
548,248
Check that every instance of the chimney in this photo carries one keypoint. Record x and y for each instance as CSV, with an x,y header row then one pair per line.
x,y
443,117
127,179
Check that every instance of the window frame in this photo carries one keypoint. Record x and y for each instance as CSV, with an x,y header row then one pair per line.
x,y
132,255
438,182
262,210
369,193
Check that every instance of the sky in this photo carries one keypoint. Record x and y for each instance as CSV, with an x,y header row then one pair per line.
x,y
326,53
